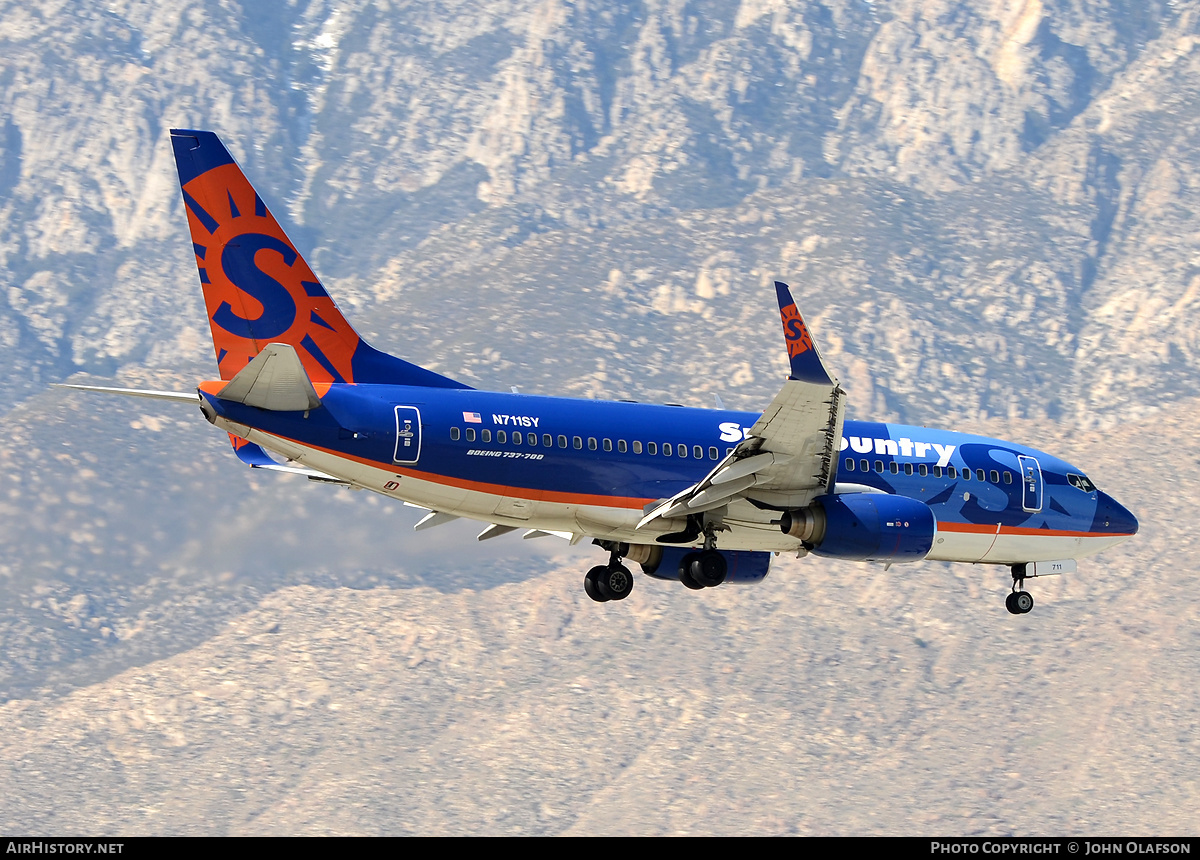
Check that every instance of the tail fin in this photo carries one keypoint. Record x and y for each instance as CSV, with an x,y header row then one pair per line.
x,y
257,287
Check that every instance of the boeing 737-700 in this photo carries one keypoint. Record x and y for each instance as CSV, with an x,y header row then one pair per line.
x,y
699,496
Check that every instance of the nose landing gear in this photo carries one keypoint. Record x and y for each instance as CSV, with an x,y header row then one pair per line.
x,y
1019,601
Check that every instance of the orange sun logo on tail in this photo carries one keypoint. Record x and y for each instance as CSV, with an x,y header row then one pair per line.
x,y
798,339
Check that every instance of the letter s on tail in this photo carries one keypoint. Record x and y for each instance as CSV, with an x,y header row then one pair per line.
x,y
258,289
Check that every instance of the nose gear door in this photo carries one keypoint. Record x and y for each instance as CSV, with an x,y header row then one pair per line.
x,y
408,434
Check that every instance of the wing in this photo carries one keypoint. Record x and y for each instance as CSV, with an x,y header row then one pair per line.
x,y
789,455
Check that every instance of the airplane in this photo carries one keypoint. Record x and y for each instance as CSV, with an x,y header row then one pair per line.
x,y
703,497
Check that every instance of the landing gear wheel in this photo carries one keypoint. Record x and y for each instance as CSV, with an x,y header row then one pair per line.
x,y
615,582
591,584
684,575
1019,602
709,568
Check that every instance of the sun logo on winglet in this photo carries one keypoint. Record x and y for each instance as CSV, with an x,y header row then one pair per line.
x,y
796,333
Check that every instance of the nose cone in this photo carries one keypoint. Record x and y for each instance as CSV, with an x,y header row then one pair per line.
x,y
1112,517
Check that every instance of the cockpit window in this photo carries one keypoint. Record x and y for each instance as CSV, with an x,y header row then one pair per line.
x,y
1081,482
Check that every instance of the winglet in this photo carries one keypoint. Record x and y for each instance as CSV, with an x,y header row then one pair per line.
x,y
802,352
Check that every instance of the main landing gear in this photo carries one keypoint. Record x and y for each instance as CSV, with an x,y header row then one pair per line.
x,y
611,581
704,569
1019,601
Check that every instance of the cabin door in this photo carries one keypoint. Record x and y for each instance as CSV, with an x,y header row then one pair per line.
x,y
408,434
1031,478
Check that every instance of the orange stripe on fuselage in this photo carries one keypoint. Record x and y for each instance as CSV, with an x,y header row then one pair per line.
x,y
972,528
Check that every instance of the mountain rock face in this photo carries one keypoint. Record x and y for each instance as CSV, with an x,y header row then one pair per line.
x,y
987,216
986,203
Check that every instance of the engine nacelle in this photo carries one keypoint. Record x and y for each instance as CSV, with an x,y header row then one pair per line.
x,y
864,527
662,562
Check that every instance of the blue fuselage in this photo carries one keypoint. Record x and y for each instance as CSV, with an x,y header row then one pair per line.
x,y
627,455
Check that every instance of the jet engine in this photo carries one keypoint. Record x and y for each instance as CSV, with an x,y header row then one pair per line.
x,y
864,527
662,562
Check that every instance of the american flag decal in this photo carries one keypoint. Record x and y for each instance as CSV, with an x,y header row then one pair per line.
x,y
472,418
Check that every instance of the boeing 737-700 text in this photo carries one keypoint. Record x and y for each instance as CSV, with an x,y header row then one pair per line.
x,y
699,496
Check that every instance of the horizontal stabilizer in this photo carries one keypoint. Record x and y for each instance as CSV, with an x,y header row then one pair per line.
x,y
274,380
177,396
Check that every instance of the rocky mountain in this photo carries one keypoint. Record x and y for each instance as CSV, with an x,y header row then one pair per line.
x,y
986,214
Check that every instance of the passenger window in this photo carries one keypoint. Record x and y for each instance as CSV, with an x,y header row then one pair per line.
x,y
879,466
979,475
470,434
547,440
713,453
849,464
924,470
995,476
908,468
667,449
608,444
454,434
592,443
1008,477
485,435
894,468
517,439
951,472
577,442
966,474
562,441
698,452
637,446
682,450
621,446
864,465
937,471
651,447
